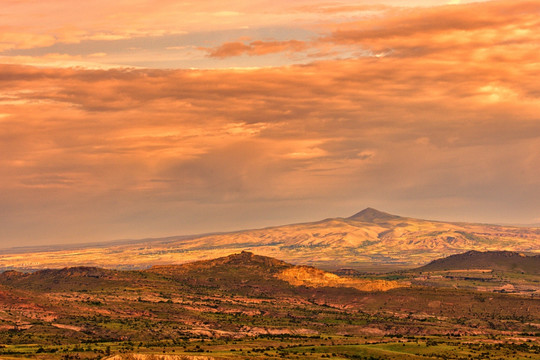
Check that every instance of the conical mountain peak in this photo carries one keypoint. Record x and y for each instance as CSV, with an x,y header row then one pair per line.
x,y
373,215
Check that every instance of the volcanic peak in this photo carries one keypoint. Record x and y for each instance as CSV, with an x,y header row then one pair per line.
x,y
373,215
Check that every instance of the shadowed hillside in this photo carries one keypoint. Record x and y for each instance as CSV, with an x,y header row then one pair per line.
x,y
259,271
489,260
244,260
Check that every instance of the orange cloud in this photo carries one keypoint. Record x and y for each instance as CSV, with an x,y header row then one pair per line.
x,y
339,8
256,48
474,31
416,32
18,40
149,120
25,26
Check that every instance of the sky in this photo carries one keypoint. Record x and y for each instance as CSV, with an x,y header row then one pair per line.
x,y
135,119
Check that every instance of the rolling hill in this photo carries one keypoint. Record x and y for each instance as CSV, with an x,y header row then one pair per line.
x,y
229,272
490,260
234,306
369,240
248,266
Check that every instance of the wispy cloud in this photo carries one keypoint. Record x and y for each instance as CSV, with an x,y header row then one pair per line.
x,y
257,48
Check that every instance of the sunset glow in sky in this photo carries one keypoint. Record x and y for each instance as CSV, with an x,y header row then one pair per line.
x,y
148,118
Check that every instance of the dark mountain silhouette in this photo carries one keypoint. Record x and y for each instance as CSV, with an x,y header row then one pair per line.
x,y
494,260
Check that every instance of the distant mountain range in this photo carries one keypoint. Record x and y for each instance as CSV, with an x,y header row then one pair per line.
x,y
369,240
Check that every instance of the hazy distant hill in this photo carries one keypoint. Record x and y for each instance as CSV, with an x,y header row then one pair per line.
x,y
368,240
489,260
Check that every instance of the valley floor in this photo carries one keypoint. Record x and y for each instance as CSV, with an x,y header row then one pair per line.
x,y
241,307
283,347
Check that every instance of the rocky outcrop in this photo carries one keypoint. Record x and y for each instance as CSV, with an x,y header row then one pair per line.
x,y
312,277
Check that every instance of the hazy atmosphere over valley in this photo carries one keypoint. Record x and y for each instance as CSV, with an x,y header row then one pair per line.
x,y
136,119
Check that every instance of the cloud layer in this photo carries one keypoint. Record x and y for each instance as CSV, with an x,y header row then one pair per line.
x,y
391,107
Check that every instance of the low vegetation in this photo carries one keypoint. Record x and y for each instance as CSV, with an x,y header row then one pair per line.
x,y
238,307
